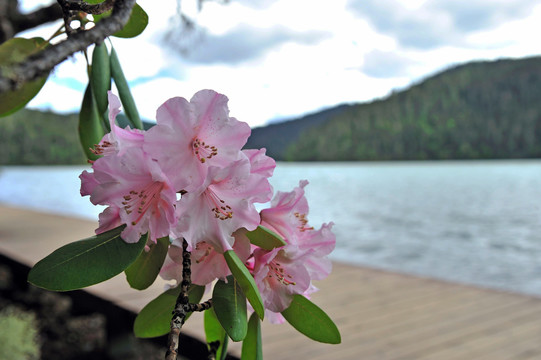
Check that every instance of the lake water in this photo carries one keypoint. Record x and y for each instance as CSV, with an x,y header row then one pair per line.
x,y
476,222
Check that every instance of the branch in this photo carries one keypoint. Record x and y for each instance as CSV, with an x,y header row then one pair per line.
x,y
94,9
42,63
41,16
179,314
183,305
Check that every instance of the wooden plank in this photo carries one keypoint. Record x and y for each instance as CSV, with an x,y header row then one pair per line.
x,y
381,315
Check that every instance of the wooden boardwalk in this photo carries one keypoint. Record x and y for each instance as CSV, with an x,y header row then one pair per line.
x,y
381,315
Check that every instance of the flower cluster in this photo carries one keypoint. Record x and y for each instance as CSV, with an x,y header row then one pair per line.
x,y
188,178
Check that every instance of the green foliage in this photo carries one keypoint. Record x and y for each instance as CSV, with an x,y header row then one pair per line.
x,y
86,262
18,335
311,321
246,282
142,273
90,124
14,51
30,137
215,334
124,91
252,347
155,318
137,22
265,238
229,305
277,137
100,77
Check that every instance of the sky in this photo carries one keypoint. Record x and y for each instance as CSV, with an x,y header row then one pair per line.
x,y
278,59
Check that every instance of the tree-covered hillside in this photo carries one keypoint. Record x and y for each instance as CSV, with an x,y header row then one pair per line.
x,y
478,110
31,137
276,138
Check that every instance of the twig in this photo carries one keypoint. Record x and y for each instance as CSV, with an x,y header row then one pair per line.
x,y
43,62
183,305
94,9
179,314
67,14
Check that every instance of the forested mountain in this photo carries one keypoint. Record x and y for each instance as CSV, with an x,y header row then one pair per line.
x,y
31,137
476,110
279,136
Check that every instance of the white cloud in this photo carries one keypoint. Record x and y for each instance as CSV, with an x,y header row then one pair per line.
x,y
363,57
56,97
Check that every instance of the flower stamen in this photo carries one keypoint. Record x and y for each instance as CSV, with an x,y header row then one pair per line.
x,y
143,200
277,271
221,210
208,249
302,219
102,149
203,151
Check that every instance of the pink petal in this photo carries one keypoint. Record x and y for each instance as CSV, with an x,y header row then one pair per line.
x,y
108,219
260,163
224,203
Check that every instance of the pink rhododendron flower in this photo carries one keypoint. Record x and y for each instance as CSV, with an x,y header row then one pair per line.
x,y
190,137
223,204
135,185
287,214
195,150
279,277
283,272
119,139
207,264
314,246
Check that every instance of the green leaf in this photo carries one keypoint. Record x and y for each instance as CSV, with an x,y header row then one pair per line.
x,y
124,91
90,128
15,51
229,305
214,332
86,262
100,76
142,273
311,321
252,345
155,318
246,282
137,22
265,238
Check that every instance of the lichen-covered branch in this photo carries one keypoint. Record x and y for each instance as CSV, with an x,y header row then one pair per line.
x,y
43,62
94,9
179,314
183,305
12,21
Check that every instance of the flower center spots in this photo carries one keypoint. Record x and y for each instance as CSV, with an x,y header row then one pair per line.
x,y
103,149
203,151
277,271
141,201
220,209
302,219
203,246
